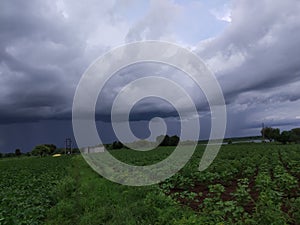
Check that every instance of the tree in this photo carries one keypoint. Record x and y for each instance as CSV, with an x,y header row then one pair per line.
x,y
296,135
7,155
285,137
290,136
296,131
293,137
163,140
117,145
276,134
167,140
41,150
159,139
59,151
18,152
174,140
51,147
270,133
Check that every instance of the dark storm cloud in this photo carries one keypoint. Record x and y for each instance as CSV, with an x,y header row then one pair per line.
x,y
42,55
45,46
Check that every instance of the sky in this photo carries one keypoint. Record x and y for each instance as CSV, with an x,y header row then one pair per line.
x,y
45,46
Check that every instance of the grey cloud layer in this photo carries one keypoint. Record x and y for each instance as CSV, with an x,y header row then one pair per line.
x,y
256,59
45,47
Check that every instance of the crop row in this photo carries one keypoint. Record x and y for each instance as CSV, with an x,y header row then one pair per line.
x,y
246,184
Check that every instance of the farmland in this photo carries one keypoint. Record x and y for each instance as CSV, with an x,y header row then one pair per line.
x,y
246,184
27,186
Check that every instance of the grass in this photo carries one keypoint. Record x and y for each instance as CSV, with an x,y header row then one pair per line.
x,y
246,184
85,197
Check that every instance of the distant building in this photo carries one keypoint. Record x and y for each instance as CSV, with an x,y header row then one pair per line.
x,y
92,149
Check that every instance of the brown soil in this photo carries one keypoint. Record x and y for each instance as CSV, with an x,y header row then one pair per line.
x,y
230,188
254,193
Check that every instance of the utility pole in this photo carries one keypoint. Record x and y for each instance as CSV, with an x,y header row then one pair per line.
x,y
68,147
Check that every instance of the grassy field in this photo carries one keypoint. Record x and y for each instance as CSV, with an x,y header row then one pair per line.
x,y
246,184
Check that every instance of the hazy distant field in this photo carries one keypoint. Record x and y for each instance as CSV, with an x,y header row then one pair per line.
x,y
246,184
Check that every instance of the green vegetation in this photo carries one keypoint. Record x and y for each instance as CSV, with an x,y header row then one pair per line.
x,y
39,150
291,136
246,184
163,140
86,198
26,188
43,150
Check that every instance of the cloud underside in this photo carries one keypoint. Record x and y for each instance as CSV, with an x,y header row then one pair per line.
x,y
46,46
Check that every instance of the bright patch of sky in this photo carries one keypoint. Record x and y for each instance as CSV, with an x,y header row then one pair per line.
x,y
131,10
202,20
195,21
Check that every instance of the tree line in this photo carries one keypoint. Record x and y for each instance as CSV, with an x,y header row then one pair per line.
x,y
163,140
272,134
284,137
39,150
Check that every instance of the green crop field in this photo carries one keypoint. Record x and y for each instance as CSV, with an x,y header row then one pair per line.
x,y
246,184
27,187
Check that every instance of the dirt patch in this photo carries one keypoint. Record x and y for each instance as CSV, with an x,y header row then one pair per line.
x,y
227,195
254,193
